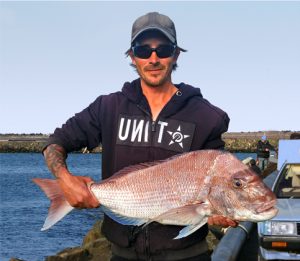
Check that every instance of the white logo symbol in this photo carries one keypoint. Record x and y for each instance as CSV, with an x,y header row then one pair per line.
x,y
177,137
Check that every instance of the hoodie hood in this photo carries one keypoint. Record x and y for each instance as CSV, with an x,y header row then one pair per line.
x,y
133,92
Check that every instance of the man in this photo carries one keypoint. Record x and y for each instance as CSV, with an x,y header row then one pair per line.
x,y
263,152
150,119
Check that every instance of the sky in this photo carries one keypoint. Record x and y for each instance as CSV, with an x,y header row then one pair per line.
x,y
58,57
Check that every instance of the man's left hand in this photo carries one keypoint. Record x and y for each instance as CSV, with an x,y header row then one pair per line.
x,y
221,221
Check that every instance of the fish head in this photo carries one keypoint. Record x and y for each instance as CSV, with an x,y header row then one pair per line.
x,y
239,193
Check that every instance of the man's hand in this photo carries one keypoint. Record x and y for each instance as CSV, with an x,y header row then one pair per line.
x,y
221,221
75,188
76,191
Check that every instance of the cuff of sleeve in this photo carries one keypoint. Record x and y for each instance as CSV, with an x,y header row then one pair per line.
x,y
52,140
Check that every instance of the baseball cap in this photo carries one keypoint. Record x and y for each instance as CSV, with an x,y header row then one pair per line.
x,y
264,137
154,21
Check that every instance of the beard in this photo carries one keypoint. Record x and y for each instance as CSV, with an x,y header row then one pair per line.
x,y
155,80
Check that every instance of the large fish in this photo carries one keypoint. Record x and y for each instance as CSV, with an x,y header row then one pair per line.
x,y
182,190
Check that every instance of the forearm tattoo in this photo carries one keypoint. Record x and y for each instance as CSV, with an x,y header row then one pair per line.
x,y
55,157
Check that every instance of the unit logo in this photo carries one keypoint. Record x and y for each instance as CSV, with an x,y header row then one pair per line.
x,y
167,133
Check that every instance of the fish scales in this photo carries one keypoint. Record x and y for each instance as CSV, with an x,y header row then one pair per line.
x,y
156,189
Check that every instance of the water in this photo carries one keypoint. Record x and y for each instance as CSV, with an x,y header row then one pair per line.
x,y
24,207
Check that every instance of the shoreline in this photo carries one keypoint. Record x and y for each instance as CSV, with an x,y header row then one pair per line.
x,y
234,141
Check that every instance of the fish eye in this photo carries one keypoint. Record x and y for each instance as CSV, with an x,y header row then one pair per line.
x,y
237,183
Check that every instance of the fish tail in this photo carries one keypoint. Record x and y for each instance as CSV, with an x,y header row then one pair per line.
x,y
59,206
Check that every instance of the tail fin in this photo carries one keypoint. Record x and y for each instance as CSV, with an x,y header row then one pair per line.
x,y
59,206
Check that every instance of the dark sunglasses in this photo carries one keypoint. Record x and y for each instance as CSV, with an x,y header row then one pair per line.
x,y
145,51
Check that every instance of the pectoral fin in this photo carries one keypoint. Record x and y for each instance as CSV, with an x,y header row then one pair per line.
x,y
190,229
191,214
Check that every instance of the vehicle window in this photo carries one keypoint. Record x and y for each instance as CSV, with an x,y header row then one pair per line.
x,y
288,184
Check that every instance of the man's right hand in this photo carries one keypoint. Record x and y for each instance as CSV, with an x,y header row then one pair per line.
x,y
76,190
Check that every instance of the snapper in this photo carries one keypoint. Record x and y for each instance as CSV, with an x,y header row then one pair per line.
x,y
182,190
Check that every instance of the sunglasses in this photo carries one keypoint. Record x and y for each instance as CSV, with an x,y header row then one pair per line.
x,y
145,51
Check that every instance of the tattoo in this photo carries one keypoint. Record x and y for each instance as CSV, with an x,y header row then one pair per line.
x,y
55,157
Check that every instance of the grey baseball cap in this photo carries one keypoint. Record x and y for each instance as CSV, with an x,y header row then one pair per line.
x,y
154,21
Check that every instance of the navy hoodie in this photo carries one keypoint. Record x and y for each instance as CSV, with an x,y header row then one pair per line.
x,y
122,123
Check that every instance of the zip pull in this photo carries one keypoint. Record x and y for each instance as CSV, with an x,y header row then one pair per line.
x,y
153,126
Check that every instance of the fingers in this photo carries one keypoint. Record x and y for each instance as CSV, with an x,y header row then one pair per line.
x,y
86,198
221,221
86,179
77,192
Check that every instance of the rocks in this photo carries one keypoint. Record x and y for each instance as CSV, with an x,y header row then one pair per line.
x,y
94,247
71,254
96,243
21,146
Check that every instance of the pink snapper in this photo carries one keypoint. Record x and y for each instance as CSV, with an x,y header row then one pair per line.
x,y
183,190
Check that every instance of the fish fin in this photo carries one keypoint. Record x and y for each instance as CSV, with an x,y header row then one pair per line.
x,y
124,220
190,229
186,215
59,206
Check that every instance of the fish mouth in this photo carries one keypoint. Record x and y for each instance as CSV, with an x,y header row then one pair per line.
x,y
267,207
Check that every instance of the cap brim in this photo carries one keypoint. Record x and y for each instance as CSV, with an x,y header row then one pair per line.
x,y
181,49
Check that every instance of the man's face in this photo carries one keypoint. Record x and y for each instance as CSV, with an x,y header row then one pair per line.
x,y
154,71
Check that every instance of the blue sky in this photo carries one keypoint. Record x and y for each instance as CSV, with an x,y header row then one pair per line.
x,y
57,57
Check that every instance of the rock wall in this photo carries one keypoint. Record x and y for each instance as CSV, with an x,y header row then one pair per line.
x,y
234,141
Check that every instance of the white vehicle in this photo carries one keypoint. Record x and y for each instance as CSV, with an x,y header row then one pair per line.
x,y
279,238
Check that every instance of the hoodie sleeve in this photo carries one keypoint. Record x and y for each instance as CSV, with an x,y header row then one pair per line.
x,y
81,130
214,140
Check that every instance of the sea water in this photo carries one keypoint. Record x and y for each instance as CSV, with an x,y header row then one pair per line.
x,y
24,207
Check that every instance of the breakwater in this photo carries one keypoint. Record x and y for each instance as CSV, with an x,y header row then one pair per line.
x,y
234,141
